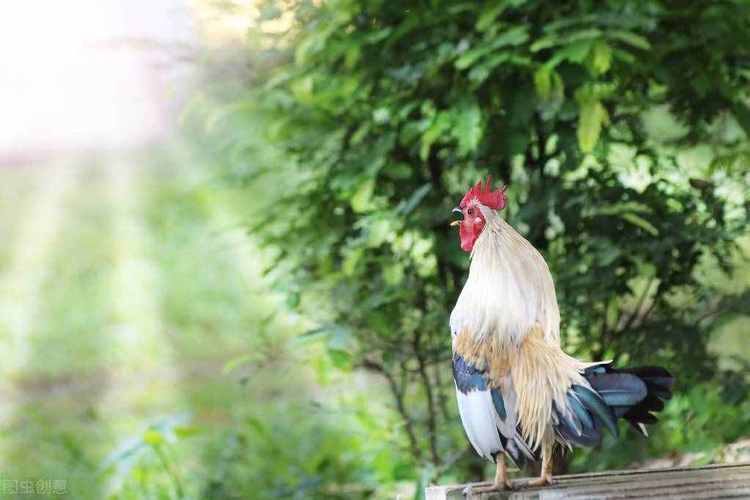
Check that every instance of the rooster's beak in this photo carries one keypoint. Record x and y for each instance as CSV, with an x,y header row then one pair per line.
x,y
459,212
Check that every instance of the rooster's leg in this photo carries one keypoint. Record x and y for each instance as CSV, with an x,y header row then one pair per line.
x,y
501,480
501,475
545,477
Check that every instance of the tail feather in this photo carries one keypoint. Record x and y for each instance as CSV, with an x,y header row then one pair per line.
x,y
658,381
633,393
518,450
598,407
619,389
580,412
578,427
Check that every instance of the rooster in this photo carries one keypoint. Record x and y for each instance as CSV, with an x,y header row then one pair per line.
x,y
518,393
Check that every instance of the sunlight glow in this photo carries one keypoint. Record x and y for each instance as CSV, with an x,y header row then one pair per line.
x,y
64,84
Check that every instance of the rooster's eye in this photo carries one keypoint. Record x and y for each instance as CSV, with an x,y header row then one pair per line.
x,y
470,211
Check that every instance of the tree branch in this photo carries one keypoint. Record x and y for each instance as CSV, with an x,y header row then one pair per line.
x,y
398,396
442,397
431,412
629,322
433,164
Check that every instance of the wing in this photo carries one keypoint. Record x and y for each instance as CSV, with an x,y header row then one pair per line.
x,y
488,414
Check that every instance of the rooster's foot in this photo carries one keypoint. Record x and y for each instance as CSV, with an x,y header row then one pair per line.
x,y
470,490
543,480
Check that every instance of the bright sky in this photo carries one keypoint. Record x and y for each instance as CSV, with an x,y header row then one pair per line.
x,y
66,84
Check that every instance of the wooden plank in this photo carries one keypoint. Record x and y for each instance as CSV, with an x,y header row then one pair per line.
x,y
708,482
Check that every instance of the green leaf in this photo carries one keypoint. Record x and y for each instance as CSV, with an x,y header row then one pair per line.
x,y
303,88
292,300
397,171
381,115
468,129
601,57
340,359
557,39
629,38
393,274
361,198
619,208
591,116
186,431
470,57
481,71
353,257
440,124
352,56
575,52
488,16
152,437
378,231
543,82
359,135
512,37
640,222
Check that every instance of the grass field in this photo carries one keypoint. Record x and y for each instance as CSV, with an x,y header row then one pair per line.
x,y
126,290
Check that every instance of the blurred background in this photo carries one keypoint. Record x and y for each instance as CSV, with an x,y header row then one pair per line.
x,y
225,262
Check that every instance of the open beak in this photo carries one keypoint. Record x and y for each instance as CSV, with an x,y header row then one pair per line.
x,y
459,212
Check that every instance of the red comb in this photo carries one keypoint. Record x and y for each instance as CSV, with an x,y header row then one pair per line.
x,y
494,200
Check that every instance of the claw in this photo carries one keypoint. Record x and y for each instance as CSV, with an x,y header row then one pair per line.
x,y
544,480
471,490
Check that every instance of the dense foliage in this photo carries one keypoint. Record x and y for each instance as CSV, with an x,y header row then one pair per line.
x,y
620,128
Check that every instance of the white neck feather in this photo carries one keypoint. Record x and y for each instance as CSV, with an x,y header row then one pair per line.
x,y
509,288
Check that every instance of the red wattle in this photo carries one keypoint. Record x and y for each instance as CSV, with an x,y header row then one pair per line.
x,y
468,233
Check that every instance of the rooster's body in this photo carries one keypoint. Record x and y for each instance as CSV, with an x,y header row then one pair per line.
x,y
518,392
